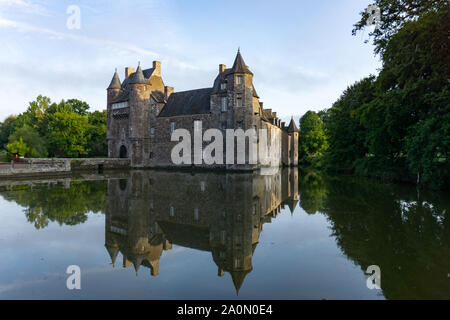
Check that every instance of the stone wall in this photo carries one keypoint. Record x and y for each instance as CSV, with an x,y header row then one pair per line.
x,y
46,166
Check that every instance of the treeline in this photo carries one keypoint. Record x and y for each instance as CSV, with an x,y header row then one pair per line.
x,y
395,126
46,129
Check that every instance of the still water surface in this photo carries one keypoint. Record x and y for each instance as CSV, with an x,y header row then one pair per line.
x,y
177,235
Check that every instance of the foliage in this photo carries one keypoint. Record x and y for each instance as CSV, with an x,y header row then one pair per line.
x,y
345,133
313,141
396,126
394,15
18,148
67,134
64,129
97,144
6,128
32,139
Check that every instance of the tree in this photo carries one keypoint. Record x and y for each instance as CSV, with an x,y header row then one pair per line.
x,y
97,144
6,128
394,15
67,134
313,141
345,133
18,148
32,139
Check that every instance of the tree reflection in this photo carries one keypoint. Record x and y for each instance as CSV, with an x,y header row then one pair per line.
x,y
407,235
66,205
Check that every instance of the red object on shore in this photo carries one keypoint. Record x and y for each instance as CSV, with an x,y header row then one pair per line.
x,y
15,158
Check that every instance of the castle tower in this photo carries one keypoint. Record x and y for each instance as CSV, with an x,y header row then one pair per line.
x,y
139,101
293,143
114,90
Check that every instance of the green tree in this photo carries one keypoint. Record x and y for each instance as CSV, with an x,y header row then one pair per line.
x,y
7,127
97,144
346,135
394,15
18,147
67,134
313,141
32,139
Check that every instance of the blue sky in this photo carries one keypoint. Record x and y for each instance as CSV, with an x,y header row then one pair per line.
x,y
301,52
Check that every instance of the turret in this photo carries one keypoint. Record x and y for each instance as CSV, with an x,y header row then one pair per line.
x,y
293,145
114,88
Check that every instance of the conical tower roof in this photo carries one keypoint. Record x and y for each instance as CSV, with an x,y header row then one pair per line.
x,y
115,82
238,279
138,76
239,65
113,251
292,127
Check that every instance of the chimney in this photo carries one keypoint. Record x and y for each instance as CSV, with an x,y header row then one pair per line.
x,y
157,67
128,72
168,91
261,104
222,68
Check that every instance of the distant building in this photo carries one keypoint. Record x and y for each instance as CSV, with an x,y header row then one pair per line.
x,y
143,112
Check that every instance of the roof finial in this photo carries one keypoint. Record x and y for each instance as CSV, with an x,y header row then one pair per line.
x,y
239,49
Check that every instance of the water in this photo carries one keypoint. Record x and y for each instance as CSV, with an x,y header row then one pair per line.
x,y
180,235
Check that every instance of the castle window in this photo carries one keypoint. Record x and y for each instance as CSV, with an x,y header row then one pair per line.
x,y
196,214
238,102
224,104
172,211
239,80
223,236
152,131
223,86
172,127
120,105
237,263
150,155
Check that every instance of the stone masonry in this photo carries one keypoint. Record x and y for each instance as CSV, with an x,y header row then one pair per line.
x,y
143,112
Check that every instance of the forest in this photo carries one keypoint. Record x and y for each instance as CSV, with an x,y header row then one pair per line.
x,y
395,125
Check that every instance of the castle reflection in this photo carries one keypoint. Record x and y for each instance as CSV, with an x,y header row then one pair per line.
x,y
150,211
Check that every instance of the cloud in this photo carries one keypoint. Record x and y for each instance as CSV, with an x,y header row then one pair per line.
x,y
22,5
24,27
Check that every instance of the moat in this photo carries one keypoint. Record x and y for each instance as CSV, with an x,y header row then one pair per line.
x,y
200,235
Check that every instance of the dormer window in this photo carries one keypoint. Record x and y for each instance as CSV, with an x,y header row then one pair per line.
x,y
223,86
239,80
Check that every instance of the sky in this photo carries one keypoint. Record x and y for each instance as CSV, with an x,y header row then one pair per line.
x,y
302,52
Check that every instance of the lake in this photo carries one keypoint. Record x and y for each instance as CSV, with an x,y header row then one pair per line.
x,y
279,234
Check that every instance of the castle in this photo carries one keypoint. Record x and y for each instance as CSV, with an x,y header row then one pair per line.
x,y
142,113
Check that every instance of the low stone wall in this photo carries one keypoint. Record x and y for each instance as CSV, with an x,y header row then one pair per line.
x,y
57,166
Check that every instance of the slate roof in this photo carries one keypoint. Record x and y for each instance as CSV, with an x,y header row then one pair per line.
x,y
292,127
147,73
188,102
158,96
138,76
115,82
239,65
